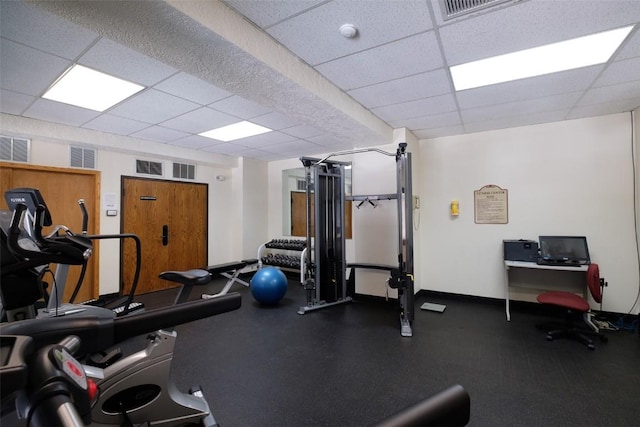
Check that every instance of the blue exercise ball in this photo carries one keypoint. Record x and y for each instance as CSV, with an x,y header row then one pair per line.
x,y
268,285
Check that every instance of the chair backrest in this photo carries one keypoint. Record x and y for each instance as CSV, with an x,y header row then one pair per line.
x,y
593,282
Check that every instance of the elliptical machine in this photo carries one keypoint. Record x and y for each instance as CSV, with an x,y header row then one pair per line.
x,y
134,391
36,216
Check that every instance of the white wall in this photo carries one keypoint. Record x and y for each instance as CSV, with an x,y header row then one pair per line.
x,y
254,207
566,178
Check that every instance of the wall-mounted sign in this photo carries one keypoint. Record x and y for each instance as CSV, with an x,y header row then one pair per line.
x,y
491,205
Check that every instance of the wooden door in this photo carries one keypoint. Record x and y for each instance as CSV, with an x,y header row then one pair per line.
x,y
61,189
170,218
299,215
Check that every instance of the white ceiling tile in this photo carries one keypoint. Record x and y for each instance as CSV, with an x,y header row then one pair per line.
x,y
532,106
386,62
550,84
532,23
515,121
276,12
411,88
226,148
431,121
152,106
31,26
417,108
240,107
438,132
314,35
28,71
603,109
57,112
13,102
159,134
186,86
200,120
631,46
265,139
114,124
611,93
627,70
120,61
196,142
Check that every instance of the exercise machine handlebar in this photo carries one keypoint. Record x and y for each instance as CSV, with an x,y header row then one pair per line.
x,y
97,333
450,407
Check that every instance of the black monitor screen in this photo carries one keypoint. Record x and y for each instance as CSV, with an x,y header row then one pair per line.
x,y
564,248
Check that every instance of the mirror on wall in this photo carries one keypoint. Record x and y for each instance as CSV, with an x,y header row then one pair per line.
x,y
294,203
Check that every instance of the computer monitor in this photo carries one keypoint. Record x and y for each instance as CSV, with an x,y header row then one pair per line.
x,y
564,249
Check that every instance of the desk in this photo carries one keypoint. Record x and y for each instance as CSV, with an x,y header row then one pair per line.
x,y
579,282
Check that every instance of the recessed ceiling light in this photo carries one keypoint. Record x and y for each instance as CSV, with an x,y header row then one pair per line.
x,y
235,131
575,53
87,88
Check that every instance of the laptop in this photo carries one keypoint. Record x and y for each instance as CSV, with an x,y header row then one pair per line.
x,y
564,250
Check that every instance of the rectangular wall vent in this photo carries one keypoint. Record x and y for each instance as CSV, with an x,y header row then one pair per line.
x,y
81,157
14,149
148,168
301,185
455,8
184,171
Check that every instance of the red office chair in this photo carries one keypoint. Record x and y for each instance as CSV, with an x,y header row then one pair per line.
x,y
576,304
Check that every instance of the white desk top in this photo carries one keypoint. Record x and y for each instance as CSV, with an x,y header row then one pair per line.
x,y
526,264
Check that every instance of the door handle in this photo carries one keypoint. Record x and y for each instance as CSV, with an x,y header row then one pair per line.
x,y
165,235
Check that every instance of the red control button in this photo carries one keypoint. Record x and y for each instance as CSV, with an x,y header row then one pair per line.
x,y
92,389
71,367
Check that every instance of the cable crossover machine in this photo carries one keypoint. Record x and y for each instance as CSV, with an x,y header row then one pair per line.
x,y
325,280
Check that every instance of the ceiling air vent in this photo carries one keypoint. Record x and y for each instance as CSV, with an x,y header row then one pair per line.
x,y
14,149
80,157
455,8
147,167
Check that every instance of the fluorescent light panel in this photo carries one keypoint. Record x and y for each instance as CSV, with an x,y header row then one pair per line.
x,y
575,53
235,131
87,88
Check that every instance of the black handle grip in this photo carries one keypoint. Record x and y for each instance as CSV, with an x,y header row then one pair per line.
x,y
165,235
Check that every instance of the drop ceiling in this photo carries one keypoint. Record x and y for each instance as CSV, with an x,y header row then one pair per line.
x,y
285,65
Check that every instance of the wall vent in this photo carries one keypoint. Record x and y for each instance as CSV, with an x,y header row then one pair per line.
x,y
147,167
301,185
14,149
456,8
81,157
184,171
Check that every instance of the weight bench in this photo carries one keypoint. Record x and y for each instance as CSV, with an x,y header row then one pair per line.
x,y
232,271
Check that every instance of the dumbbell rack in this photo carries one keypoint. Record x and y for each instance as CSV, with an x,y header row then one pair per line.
x,y
287,254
